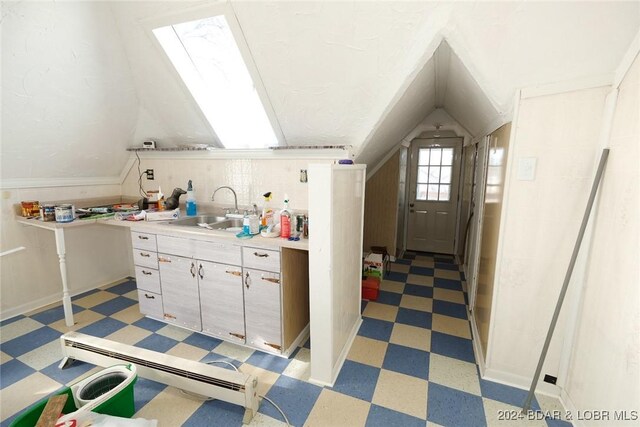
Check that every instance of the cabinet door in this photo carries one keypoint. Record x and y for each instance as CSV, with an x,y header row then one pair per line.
x,y
262,309
221,301
180,295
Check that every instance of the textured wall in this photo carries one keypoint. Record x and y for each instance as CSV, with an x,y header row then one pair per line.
x,y
540,225
69,105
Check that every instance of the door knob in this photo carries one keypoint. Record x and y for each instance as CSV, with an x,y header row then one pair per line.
x,y
410,205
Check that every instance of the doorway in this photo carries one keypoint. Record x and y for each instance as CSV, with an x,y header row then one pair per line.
x,y
433,194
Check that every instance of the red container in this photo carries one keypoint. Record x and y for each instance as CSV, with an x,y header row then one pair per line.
x,y
370,288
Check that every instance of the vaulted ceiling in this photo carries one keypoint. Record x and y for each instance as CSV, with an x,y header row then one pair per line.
x,y
82,81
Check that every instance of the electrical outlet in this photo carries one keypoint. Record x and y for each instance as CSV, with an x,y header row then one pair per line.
x,y
550,379
149,173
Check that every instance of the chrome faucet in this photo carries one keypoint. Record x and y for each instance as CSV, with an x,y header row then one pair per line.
x,y
235,197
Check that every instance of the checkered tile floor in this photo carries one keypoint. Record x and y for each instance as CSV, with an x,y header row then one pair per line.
x,y
412,362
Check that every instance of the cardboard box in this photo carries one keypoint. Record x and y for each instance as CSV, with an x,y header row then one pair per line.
x,y
373,265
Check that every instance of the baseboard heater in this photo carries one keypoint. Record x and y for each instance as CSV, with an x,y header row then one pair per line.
x,y
195,377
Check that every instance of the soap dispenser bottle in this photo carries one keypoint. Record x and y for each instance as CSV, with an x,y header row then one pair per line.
x,y
285,219
191,200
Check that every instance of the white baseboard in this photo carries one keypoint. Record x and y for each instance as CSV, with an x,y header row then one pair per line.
x,y
49,299
570,407
477,348
520,382
341,358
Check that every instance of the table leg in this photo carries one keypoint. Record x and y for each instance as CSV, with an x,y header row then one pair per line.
x,y
66,298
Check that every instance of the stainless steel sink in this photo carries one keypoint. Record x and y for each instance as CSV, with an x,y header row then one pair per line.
x,y
229,224
193,221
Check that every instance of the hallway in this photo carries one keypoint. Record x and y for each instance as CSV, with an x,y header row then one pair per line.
x,y
412,363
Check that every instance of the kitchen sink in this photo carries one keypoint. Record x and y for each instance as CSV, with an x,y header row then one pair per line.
x,y
214,222
193,221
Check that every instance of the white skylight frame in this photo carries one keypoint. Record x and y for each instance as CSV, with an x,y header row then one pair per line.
x,y
252,131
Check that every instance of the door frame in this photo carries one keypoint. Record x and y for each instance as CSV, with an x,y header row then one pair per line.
x,y
408,185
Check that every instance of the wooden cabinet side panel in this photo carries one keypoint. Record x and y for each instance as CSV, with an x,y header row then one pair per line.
x,y
295,293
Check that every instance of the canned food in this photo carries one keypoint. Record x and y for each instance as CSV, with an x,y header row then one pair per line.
x,y
30,208
299,223
64,213
48,212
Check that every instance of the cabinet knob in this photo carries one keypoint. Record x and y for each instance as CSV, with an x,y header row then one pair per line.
x,y
260,255
201,272
149,296
271,279
162,259
234,273
193,270
146,255
146,273
143,238
247,280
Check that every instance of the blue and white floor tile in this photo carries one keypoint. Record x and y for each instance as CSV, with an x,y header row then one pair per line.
x,y
411,364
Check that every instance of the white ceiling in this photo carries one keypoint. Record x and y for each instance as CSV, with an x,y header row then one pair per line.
x,y
356,73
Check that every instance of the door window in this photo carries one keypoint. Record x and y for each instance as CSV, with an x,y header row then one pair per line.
x,y
434,174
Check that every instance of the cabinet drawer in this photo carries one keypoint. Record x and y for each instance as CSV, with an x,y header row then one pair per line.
x,y
148,279
143,241
222,252
176,246
262,259
145,258
150,304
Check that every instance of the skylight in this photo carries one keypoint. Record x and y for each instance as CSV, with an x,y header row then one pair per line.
x,y
206,55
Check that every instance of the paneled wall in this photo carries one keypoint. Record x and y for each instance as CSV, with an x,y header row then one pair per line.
x,y
494,194
381,210
604,367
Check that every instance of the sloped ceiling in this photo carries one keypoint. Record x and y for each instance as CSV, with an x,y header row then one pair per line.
x,y
81,86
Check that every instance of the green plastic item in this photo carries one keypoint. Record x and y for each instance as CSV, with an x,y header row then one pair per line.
x,y
120,405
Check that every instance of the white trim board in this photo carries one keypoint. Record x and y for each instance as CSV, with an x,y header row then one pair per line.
x,y
520,382
317,154
627,61
17,183
477,347
567,86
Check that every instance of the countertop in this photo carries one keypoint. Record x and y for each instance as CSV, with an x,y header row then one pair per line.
x,y
164,228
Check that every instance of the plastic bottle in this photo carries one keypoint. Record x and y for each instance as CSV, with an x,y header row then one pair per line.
x,y
285,219
266,219
192,209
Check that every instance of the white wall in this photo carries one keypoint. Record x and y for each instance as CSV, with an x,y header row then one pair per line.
x,y
250,178
539,228
604,371
96,255
69,105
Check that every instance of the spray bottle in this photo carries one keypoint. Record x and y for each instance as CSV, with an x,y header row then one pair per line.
x,y
192,209
266,219
285,219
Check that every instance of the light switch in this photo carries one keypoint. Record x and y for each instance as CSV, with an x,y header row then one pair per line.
x,y
527,168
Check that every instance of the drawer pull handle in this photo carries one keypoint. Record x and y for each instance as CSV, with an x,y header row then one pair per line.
x,y
147,273
237,335
201,272
247,280
193,270
259,255
169,316
149,296
161,259
143,238
276,346
271,279
235,273
144,255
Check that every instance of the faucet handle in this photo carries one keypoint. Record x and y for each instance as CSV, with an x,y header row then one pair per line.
x,y
246,212
227,211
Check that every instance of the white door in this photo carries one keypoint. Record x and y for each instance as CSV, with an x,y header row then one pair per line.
x,y
262,309
180,295
433,194
473,253
221,300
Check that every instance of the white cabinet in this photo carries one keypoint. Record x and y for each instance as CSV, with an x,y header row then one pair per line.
x,y
145,259
221,300
262,309
180,294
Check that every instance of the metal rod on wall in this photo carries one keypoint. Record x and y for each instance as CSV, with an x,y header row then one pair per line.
x,y
594,189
